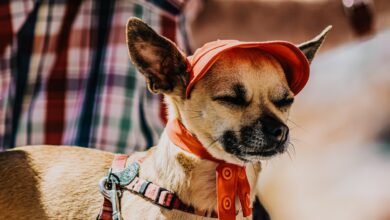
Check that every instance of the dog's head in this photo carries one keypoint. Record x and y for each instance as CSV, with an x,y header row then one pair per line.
x,y
238,110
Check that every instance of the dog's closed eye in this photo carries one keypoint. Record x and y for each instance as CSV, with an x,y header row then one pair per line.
x,y
285,102
236,98
232,100
282,99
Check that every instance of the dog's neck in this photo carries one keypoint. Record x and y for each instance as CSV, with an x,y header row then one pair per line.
x,y
191,178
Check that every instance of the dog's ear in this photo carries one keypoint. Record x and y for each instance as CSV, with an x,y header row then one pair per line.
x,y
310,48
157,58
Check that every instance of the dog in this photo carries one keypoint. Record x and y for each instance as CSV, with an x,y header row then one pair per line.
x,y
237,110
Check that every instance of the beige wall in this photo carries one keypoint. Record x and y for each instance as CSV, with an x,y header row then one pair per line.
x,y
259,20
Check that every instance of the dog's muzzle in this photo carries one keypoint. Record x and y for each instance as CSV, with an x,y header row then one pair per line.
x,y
264,138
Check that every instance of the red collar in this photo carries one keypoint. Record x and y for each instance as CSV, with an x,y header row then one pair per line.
x,y
231,178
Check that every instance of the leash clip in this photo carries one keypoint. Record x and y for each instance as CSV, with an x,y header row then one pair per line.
x,y
108,188
114,196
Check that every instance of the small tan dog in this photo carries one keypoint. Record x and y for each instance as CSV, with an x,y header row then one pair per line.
x,y
237,110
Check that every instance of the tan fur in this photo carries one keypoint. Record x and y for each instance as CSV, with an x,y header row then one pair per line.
x,y
51,182
186,162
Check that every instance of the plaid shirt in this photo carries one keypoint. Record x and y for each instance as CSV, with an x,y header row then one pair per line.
x,y
65,75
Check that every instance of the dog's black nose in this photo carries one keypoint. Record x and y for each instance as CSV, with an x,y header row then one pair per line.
x,y
275,130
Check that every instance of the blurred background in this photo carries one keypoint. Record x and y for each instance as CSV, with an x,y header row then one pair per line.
x,y
338,166
65,79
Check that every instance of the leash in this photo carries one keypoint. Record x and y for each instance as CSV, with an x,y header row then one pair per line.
x,y
121,178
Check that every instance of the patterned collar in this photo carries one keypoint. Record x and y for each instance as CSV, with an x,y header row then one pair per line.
x,y
121,178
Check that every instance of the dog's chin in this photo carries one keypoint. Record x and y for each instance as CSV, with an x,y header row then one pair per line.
x,y
258,156
244,157
255,154
240,154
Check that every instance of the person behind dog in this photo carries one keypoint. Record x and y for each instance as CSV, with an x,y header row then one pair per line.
x,y
65,77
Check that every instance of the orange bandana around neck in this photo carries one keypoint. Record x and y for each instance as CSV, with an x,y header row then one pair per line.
x,y
231,179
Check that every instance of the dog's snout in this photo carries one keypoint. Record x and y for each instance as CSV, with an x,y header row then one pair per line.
x,y
275,130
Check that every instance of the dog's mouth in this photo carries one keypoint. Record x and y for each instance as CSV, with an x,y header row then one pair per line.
x,y
248,156
268,153
254,147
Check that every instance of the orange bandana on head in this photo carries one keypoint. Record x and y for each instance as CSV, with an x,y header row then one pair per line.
x,y
293,61
231,180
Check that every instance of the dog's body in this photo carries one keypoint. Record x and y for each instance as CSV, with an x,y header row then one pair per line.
x,y
49,182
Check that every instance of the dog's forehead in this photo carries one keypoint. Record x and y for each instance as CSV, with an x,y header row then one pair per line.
x,y
252,68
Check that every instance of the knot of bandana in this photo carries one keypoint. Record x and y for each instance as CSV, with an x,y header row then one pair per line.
x,y
231,179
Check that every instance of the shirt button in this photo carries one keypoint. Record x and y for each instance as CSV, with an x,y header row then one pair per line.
x,y
227,203
227,173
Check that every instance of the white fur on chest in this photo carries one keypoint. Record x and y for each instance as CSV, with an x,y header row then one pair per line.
x,y
194,185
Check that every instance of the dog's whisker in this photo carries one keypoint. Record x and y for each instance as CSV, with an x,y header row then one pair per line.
x,y
294,123
295,139
289,155
192,111
298,140
298,126
292,148
197,116
212,143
